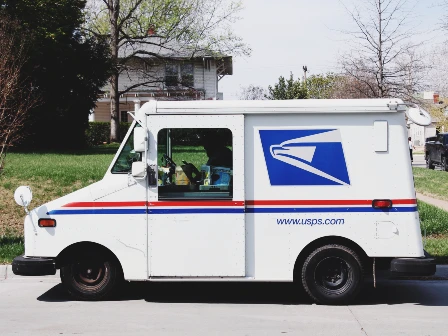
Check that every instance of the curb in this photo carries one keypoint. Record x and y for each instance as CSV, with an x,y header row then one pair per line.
x,y
7,273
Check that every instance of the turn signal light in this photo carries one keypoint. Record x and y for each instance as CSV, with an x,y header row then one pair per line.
x,y
382,204
46,222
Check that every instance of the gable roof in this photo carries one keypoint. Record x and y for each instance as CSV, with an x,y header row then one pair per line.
x,y
153,47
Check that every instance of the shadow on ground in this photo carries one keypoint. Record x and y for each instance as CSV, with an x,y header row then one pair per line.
x,y
427,293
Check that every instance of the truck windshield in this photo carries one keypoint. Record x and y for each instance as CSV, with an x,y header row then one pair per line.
x,y
127,155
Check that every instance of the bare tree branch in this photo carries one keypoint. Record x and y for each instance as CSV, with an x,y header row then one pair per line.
x,y
380,60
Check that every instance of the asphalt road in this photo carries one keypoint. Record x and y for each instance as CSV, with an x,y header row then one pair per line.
x,y
40,306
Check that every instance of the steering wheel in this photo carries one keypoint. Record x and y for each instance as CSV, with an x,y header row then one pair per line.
x,y
169,161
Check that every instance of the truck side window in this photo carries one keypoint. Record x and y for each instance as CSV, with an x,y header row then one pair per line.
x,y
195,163
123,165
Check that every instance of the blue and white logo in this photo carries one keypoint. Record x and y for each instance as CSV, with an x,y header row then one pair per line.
x,y
304,157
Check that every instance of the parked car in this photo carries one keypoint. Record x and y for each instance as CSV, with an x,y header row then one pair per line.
x,y
431,140
436,151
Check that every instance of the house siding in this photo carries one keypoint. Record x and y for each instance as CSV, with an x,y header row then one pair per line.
x,y
102,110
198,75
130,77
210,79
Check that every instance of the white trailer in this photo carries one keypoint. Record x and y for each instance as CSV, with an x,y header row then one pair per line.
x,y
314,191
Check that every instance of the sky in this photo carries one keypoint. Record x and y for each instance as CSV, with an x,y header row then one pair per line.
x,y
287,34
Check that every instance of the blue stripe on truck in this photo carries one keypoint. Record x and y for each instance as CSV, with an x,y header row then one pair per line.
x,y
156,211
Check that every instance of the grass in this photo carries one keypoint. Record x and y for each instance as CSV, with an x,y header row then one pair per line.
x,y
10,247
191,154
433,220
431,182
438,248
51,175
434,225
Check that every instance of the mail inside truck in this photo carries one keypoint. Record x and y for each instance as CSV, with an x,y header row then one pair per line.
x,y
315,192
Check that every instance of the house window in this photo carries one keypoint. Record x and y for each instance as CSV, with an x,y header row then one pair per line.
x,y
200,166
171,74
124,116
186,71
182,74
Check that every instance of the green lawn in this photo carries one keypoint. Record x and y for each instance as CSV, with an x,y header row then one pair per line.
x,y
191,154
434,227
10,247
437,247
51,175
431,182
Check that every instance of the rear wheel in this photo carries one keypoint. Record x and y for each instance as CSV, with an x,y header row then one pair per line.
x,y
444,164
332,274
91,280
429,164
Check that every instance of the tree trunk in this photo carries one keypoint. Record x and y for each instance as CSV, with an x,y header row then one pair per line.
x,y
114,10
114,108
380,50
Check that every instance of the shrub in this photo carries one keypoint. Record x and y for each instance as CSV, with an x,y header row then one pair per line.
x,y
99,132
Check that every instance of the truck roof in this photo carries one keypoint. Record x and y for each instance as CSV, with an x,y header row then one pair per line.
x,y
274,106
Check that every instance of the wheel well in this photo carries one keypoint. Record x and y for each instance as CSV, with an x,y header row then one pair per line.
x,y
325,241
83,250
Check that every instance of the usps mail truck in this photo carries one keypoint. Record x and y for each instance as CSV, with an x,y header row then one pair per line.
x,y
319,192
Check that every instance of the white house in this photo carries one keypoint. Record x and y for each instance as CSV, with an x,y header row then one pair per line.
x,y
181,77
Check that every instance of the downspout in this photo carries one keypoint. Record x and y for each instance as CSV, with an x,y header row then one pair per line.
x,y
203,75
216,79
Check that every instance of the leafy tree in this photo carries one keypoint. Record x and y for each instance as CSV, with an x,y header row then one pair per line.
x,y
287,89
322,86
16,97
66,68
154,31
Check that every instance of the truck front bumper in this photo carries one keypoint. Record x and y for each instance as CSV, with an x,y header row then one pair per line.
x,y
413,266
22,265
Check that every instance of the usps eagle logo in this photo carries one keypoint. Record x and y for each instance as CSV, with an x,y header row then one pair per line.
x,y
304,157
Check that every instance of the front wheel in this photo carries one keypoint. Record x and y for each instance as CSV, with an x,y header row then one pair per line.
x,y
332,274
91,280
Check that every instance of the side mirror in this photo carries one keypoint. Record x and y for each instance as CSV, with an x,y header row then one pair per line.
x,y
139,169
140,138
419,116
23,196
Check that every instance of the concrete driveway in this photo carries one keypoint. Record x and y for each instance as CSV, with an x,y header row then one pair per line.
x,y
40,306
419,161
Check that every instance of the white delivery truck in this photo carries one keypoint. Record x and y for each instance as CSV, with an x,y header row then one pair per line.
x,y
319,192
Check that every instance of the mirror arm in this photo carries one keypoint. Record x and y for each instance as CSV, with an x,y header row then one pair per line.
x,y
24,206
138,121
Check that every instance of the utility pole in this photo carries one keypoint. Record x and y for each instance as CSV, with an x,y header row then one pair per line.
x,y
305,70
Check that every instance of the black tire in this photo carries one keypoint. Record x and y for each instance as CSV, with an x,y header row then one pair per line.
x,y
92,280
444,164
332,274
430,164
